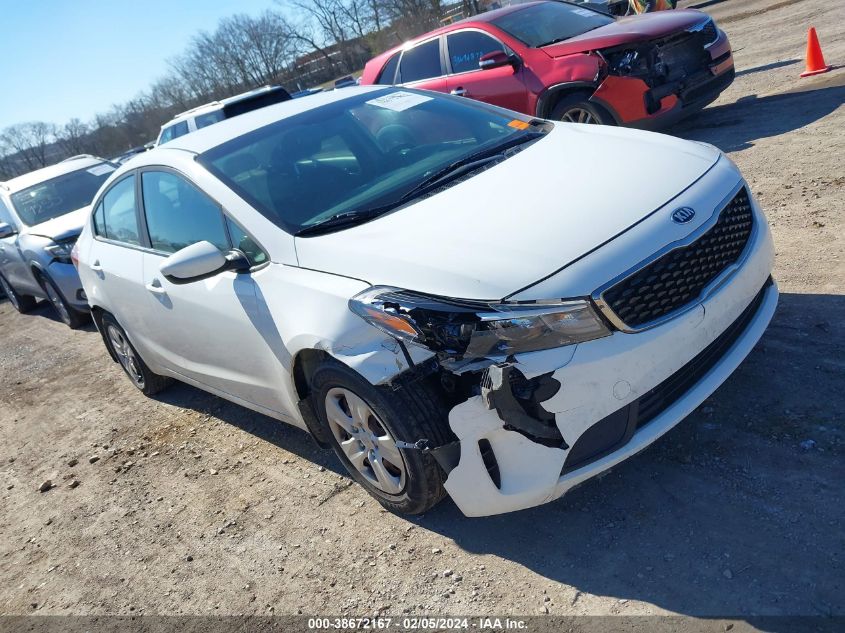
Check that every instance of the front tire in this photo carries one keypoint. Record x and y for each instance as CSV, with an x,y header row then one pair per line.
x,y
21,303
364,422
576,108
133,365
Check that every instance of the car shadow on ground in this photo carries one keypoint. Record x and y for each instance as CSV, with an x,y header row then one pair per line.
x,y
46,311
736,126
285,436
727,514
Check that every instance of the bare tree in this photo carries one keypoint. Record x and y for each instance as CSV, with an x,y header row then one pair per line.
x,y
73,137
30,141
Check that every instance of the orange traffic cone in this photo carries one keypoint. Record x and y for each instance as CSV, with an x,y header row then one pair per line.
x,y
815,59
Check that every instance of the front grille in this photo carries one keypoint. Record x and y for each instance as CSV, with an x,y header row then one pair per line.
x,y
614,431
678,278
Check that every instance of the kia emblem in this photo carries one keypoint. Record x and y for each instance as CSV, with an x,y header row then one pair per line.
x,y
683,215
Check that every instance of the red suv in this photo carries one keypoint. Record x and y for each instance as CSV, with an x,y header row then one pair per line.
x,y
561,61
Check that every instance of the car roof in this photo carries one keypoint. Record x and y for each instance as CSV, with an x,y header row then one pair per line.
x,y
217,105
217,134
59,169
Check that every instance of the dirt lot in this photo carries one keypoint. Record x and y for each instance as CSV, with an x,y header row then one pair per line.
x,y
197,506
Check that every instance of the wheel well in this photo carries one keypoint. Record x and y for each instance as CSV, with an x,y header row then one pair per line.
x,y
304,364
302,369
97,315
38,274
586,92
549,99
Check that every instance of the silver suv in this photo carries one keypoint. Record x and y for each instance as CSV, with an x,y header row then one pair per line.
x,y
41,215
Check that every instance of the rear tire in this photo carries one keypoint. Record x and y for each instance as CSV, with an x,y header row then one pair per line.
x,y
133,365
409,413
576,108
21,303
70,316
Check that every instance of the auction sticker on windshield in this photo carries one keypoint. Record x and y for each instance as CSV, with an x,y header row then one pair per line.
x,y
99,170
399,101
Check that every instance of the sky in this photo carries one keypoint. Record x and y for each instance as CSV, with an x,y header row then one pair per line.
x,y
61,59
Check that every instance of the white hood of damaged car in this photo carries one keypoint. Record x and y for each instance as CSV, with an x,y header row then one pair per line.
x,y
507,227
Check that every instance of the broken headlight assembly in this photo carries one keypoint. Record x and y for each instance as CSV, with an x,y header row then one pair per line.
x,y
477,329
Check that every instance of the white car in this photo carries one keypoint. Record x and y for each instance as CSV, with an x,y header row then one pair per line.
x,y
216,111
450,295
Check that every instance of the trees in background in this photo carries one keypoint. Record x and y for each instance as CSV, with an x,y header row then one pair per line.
x,y
297,43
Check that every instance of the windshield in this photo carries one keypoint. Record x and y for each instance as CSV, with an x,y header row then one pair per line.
x,y
361,153
58,196
549,22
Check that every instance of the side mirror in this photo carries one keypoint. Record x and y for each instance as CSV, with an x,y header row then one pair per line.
x,y
6,230
200,261
496,59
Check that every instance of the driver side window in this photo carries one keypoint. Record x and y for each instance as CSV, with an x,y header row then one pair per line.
x,y
467,47
178,214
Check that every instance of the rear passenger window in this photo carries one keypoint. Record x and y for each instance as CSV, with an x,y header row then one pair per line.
x,y
467,47
115,218
178,214
388,73
422,62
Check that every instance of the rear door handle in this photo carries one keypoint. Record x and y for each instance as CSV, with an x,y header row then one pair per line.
x,y
155,287
460,91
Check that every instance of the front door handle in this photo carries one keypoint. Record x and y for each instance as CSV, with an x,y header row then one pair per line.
x,y
96,266
460,91
155,287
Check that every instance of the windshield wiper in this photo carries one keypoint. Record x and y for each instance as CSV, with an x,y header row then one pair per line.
x,y
345,219
449,172
467,164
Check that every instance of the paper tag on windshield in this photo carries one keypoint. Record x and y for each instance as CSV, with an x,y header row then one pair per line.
x,y
99,170
399,101
584,12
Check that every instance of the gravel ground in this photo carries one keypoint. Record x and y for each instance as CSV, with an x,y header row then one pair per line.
x,y
187,504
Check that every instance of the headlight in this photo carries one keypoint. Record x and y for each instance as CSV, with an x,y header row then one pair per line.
x,y
60,251
476,329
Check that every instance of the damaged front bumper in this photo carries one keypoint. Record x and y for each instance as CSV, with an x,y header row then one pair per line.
x,y
604,400
652,98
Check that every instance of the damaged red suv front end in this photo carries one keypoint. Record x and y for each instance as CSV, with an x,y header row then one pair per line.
x,y
654,71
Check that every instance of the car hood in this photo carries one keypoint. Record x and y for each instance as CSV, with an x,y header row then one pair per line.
x,y
635,28
517,222
64,227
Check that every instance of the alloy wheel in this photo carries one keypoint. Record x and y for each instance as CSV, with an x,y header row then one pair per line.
x,y
579,115
365,441
10,293
126,356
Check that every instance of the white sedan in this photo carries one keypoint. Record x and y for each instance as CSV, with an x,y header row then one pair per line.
x,y
454,297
